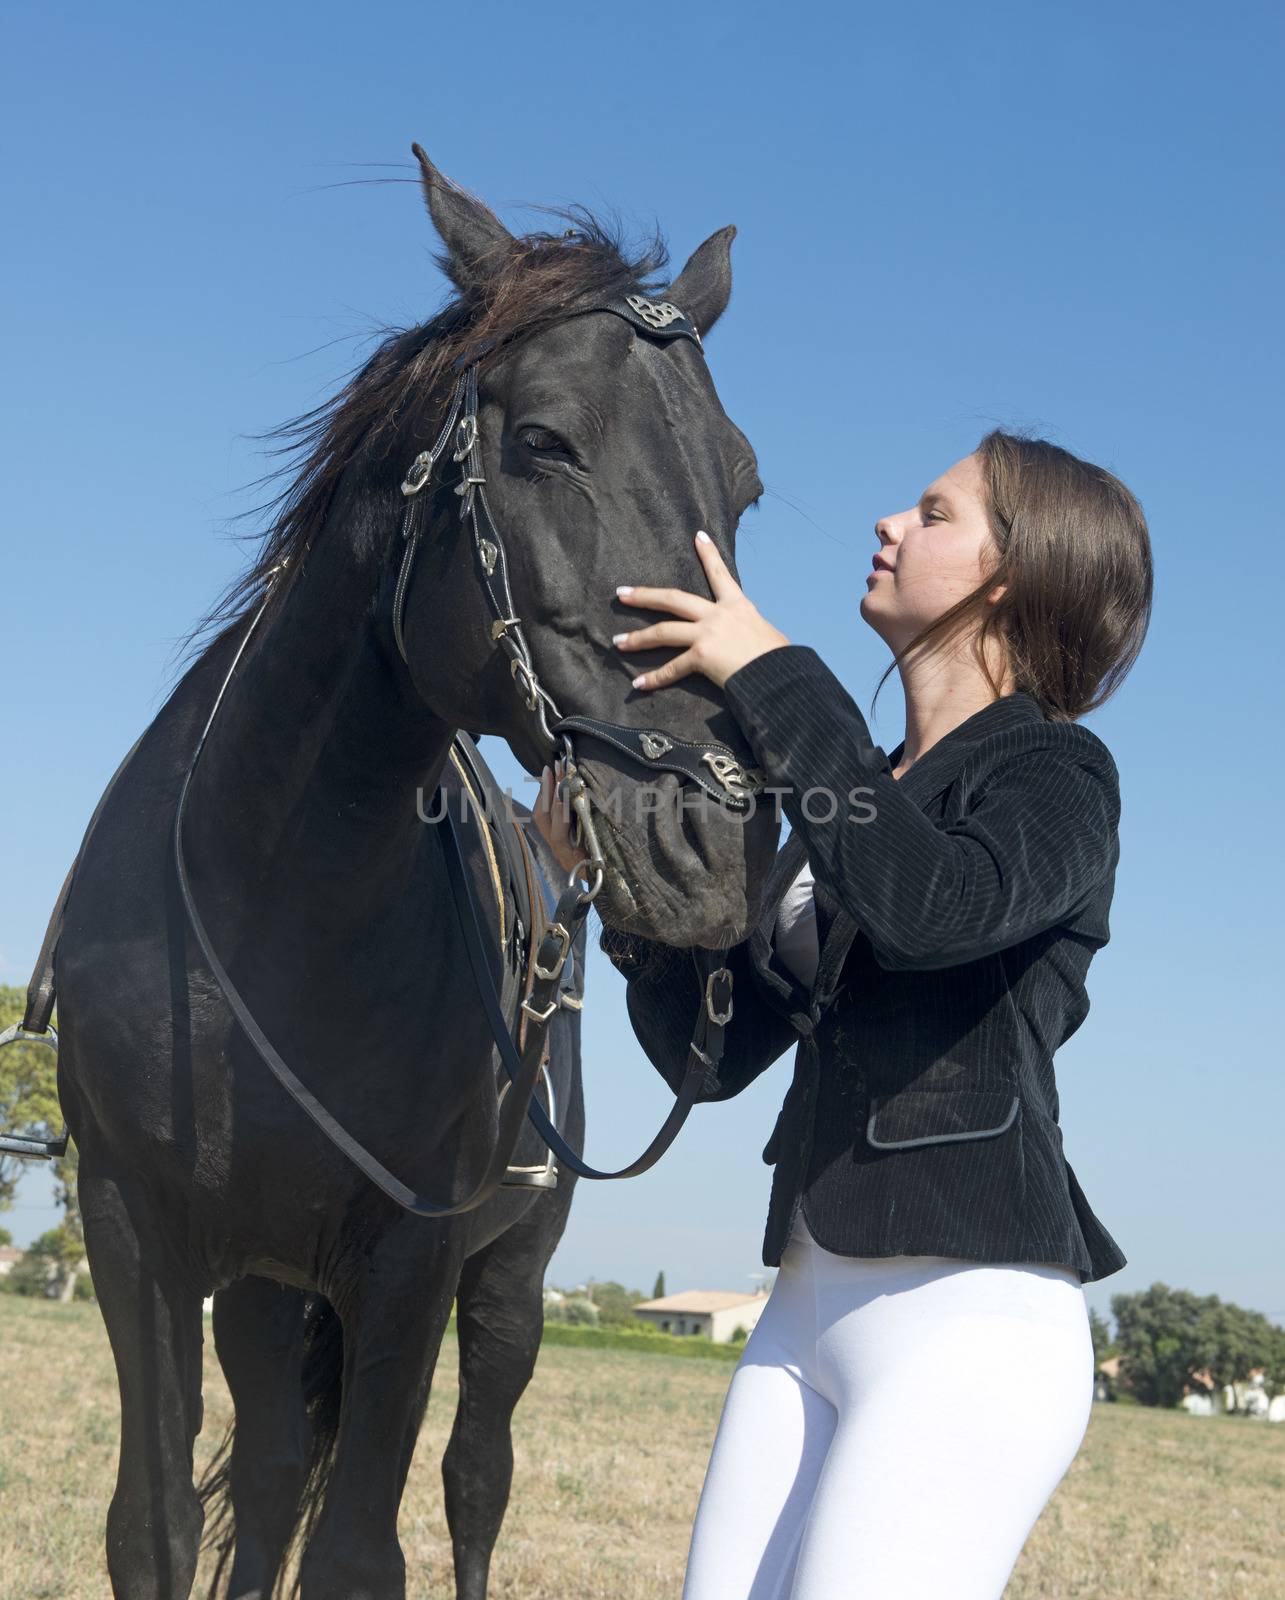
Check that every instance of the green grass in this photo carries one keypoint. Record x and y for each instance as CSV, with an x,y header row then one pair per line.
x,y
641,1343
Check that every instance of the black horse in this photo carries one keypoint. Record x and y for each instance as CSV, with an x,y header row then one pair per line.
x,y
325,894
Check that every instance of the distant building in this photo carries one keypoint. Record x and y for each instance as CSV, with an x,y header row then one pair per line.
x,y
1248,1395
9,1259
714,1313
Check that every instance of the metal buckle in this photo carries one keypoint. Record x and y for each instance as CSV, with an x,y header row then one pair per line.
x,y
527,679
720,1019
418,473
564,941
541,1016
465,436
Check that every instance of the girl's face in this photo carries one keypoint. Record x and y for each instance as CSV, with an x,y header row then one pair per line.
x,y
930,556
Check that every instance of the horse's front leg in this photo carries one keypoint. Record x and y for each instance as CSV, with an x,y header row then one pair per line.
x,y
393,1315
151,1303
259,1335
501,1319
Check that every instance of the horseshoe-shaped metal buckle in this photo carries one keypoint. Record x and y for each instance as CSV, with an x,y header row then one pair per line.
x,y
465,437
719,1018
418,473
563,937
526,680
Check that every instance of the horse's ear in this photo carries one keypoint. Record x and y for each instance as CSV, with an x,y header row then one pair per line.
x,y
704,286
477,242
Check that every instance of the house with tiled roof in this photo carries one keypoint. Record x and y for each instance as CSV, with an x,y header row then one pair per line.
x,y
712,1313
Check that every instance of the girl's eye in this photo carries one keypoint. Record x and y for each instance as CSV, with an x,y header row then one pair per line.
x,y
541,442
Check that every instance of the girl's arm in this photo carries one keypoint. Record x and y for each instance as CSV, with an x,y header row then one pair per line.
x,y
1040,834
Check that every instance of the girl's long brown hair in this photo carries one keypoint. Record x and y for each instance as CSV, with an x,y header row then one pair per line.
x,y
1071,548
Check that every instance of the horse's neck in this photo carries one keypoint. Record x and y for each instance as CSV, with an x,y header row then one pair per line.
x,y
314,761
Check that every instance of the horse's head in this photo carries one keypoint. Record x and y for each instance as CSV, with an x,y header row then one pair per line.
x,y
603,451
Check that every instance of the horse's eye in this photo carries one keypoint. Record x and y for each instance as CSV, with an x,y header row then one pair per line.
x,y
543,442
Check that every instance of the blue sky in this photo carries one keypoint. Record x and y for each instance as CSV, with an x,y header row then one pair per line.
x,y
950,218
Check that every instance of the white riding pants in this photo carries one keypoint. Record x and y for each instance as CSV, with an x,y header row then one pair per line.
x,y
893,1429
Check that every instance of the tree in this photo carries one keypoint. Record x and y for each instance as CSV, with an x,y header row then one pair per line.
x,y
1166,1336
6,1238
1101,1337
29,1104
49,1267
575,1309
658,1293
1274,1382
69,1259
615,1303
28,1091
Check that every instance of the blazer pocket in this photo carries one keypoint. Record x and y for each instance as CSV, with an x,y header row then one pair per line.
x,y
939,1116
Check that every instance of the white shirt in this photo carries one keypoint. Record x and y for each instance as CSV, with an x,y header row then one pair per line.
x,y
795,934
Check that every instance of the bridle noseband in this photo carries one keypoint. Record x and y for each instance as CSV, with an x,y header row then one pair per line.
x,y
707,764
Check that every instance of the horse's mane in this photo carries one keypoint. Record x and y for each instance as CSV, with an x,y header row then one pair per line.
x,y
545,277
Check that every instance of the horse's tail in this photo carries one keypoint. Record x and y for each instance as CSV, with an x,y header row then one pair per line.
x,y
215,1491
323,1388
323,1369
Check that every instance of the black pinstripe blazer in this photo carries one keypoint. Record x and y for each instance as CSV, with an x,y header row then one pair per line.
x,y
958,910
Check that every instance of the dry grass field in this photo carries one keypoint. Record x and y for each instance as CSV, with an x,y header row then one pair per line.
x,y
611,1447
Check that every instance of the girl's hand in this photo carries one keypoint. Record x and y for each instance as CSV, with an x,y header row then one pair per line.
x,y
717,637
552,817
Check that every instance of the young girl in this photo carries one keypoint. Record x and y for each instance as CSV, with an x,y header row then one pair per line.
x,y
922,1375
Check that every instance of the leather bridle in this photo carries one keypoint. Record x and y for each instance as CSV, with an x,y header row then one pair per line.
x,y
710,765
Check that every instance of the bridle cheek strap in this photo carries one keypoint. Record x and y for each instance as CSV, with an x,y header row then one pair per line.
x,y
709,765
